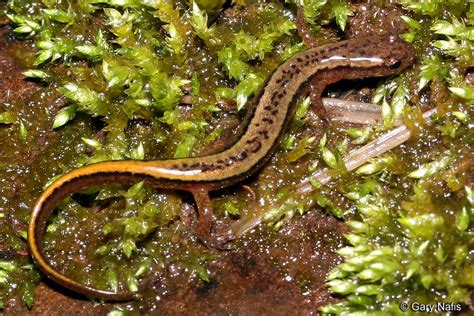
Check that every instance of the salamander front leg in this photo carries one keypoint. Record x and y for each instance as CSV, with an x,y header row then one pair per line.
x,y
316,103
204,224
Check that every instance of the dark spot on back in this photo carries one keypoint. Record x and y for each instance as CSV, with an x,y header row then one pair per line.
x,y
242,155
230,161
256,147
264,134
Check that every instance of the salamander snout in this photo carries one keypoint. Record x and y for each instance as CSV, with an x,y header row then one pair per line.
x,y
396,53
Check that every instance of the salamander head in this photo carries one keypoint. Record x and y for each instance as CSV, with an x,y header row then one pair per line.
x,y
373,56
395,54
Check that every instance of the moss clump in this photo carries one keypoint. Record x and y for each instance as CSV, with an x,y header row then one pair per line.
x,y
417,247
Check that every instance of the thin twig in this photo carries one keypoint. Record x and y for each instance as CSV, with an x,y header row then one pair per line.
x,y
355,159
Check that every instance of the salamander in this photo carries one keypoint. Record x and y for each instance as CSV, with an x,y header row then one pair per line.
x,y
372,56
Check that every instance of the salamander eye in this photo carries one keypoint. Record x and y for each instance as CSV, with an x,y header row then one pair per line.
x,y
395,64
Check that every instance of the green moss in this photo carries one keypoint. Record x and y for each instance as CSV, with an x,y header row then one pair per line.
x,y
321,12
415,250
18,276
398,257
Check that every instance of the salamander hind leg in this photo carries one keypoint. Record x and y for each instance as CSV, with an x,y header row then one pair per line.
x,y
204,224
